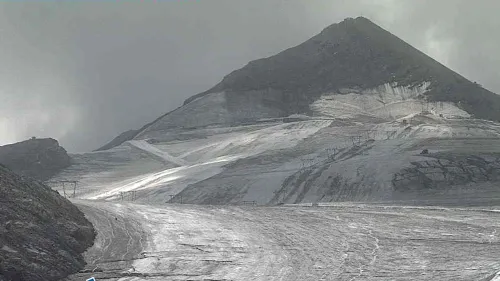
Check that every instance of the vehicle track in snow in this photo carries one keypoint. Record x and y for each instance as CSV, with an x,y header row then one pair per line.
x,y
120,235
189,242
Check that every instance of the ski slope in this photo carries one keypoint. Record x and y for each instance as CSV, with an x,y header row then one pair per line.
x,y
158,187
226,178
185,163
354,147
339,242
291,162
145,146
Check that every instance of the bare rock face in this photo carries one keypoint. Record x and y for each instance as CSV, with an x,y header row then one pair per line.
x,y
443,170
37,158
42,235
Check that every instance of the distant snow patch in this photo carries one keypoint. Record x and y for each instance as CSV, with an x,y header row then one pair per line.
x,y
145,146
387,101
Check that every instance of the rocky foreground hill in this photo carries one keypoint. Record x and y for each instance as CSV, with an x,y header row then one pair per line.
x,y
37,158
42,235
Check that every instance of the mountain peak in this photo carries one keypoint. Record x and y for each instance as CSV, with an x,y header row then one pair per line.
x,y
353,54
351,21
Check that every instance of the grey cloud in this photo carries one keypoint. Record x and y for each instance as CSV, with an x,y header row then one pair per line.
x,y
84,72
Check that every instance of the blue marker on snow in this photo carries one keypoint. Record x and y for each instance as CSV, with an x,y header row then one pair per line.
x,y
91,279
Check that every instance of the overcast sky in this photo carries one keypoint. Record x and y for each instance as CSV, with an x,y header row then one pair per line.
x,y
84,72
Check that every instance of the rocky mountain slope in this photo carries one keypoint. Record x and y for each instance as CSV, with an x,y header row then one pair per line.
x,y
123,137
349,56
42,235
353,114
37,158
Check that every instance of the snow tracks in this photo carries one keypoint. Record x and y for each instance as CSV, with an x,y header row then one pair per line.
x,y
189,242
165,156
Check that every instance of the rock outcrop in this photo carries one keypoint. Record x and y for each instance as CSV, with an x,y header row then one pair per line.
x,y
443,170
37,158
42,235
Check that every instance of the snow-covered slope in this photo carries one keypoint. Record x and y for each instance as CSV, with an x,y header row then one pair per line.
x,y
162,170
343,116
340,242
320,160
387,101
145,146
212,109
353,67
353,114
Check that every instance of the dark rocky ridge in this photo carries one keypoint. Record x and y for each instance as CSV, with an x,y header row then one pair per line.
x,y
37,158
42,235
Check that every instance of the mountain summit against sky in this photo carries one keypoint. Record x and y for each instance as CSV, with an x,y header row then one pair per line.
x,y
354,54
